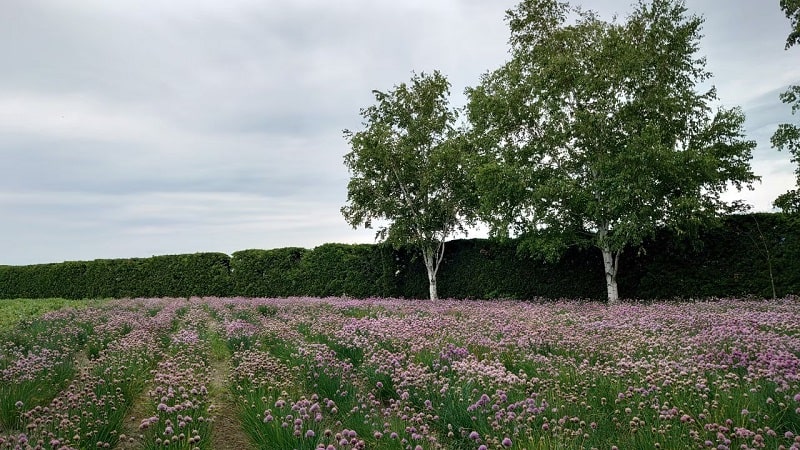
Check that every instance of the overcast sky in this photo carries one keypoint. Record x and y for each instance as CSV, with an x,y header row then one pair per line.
x,y
131,128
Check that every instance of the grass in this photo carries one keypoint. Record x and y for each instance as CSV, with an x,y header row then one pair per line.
x,y
14,311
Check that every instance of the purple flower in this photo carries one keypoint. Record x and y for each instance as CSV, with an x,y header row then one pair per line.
x,y
239,328
506,442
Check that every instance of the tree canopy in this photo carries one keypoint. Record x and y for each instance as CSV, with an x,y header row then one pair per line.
x,y
787,136
595,134
792,10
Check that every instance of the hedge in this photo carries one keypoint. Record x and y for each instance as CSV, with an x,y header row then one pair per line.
x,y
200,274
348,270
267,273
732,259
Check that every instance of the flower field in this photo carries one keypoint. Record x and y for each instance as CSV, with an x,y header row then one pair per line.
x,y
348,374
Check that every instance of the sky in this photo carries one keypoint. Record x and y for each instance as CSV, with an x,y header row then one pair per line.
x,y
132,128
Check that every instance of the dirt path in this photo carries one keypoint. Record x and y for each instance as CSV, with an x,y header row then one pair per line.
x,y
142,407
227,434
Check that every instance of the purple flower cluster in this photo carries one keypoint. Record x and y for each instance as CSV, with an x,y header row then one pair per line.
x,y
239,328
539,374
31,365
90,410
399,374
182,413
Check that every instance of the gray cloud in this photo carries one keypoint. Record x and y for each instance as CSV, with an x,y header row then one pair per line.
x,y
132,128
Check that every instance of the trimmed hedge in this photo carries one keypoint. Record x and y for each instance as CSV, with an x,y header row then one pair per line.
x,y
200,274
485,269
267,273
729,260
360,270
733,259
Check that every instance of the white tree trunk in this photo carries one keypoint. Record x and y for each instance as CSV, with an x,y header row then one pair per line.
x,y
432,288
433,259
430,264
611,264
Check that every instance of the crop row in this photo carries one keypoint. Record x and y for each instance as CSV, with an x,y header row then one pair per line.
x,y
342,374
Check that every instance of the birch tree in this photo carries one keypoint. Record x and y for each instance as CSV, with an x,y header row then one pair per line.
x,y
406,170
596,134
787,136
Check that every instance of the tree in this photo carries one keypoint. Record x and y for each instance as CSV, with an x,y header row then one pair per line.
x,y
406,169
787,136
594,134
792,10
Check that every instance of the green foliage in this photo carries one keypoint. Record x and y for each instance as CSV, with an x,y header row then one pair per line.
x,y
487,269
36,392
348,270
405,164
22,309
407,169
731,258
328,270
200,274
160,276
267,273
726,260
792,10
602,132
787,137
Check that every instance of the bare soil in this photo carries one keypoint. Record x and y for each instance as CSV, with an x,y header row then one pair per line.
x,y
130,437
227,433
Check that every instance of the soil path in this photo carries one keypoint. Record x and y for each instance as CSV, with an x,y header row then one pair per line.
x,y
227,433
130,436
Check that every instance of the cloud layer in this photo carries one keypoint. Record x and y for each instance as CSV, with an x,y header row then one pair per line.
x,y
133,128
